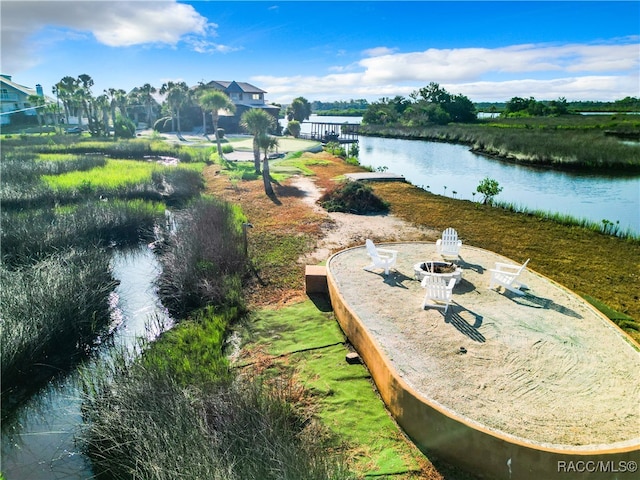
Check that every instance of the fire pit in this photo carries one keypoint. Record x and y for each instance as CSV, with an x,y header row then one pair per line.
x,y
446,270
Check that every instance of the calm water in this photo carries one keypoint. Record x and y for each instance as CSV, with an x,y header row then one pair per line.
x,y
452,170
39,443
444,168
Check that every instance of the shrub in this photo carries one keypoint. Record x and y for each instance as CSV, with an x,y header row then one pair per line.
x,y
353,197
204,261
124,127
489,188
294,128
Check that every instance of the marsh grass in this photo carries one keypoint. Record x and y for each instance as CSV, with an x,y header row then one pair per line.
x,y
203,262
124,179
51,313
34,234
571,143
143,423
606,227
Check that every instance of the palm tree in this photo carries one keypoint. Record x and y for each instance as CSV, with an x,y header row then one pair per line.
x,y
85,82
177,96
146,92
66,89
102,102
38,102
215,101
267,143
258,122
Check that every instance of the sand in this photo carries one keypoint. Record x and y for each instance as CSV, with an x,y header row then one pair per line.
x,y
545,368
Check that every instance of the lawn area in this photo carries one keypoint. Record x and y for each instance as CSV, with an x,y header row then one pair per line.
x,y
305,341
285,144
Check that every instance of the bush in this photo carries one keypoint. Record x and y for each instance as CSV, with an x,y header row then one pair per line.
x,y
353,197
124,127
294,128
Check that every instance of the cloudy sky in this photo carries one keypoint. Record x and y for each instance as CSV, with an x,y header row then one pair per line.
x,y
332,50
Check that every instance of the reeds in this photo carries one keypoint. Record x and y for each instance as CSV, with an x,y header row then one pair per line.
x,y
34,234
51,312
204,261
605,226
142,423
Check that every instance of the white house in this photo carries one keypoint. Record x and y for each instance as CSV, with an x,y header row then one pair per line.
x,y
15,99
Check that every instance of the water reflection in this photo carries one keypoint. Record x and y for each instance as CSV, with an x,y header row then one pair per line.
x,y
38,441
444,168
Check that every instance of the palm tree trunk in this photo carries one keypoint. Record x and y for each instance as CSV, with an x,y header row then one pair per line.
x,y
256,155
266,176
215,132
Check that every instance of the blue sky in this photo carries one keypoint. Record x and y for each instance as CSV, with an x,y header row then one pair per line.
x,y
332,50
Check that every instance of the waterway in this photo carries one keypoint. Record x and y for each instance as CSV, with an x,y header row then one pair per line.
x,y
454,171
39,441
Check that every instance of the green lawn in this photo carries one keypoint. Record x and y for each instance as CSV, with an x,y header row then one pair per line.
x,y
306,338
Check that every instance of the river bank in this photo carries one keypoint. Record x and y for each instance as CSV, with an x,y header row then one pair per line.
x,y
574,144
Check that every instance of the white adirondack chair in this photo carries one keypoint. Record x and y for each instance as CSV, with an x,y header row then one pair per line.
x,y
506,275
449,246
380,257
438,293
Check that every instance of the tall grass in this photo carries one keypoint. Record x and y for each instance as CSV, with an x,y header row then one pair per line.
x,y
125,179
139,149
51,312
33,234
143,423
204,261
605,226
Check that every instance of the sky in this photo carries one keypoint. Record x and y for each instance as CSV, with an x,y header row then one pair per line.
x,y
331,50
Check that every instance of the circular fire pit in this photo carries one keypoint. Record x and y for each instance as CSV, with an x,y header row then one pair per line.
x,y
446,270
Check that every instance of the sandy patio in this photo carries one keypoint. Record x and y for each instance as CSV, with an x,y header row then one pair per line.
x,y
545,367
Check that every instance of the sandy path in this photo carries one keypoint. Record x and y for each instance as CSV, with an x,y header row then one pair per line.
x,y
344,229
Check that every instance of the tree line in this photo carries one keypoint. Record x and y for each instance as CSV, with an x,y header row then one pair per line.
x,y
428,105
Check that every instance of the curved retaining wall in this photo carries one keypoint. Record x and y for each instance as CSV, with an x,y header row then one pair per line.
x,y
476,449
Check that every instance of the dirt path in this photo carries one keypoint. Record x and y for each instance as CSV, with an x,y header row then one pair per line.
x,y
345,230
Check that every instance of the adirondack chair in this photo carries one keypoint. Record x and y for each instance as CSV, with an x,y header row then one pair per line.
x,y
438,293
380,257
506,275
449,246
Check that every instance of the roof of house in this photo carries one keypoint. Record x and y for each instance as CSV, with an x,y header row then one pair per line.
x,y
6,79
234,86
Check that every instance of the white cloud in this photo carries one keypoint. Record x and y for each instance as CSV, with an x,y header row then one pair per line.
x,y
546,71
115,24
378,51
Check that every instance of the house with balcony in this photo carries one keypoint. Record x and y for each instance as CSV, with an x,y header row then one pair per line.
x,y
245,97
15,106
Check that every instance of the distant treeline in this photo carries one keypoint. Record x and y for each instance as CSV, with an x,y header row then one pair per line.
x,y
627,104
351,108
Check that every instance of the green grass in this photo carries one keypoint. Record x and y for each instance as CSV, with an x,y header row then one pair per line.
x,y
115,174
343,397
179,412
